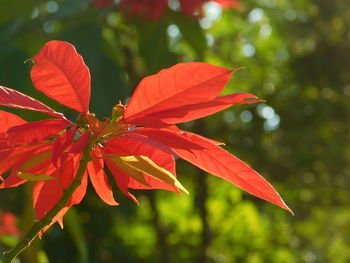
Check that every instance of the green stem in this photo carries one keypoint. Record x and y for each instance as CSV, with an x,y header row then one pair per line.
x,y
38,225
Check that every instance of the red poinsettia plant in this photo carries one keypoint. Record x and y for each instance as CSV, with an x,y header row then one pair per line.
x,y
155,9
137,143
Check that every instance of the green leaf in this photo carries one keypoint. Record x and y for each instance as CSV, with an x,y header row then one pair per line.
x,y
35,160
145,165
136,174
35,177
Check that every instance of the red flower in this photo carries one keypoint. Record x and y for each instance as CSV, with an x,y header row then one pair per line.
x,y
150,9
154,9
138,143
8,224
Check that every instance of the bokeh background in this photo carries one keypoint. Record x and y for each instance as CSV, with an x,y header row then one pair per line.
x,y
296,56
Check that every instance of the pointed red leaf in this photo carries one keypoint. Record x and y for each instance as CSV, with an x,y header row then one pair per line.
x,y
199,110
80,192
151,142
35,132
61,74
45,195
16,156
121,179
228,3
80,144
12,181
15,99
127,146
99,179
9,120
67,172
177,86
168,138
221,163
39,162
58,218
61,143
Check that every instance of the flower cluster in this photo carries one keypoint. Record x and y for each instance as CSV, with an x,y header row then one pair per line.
x,y
137,143
155,9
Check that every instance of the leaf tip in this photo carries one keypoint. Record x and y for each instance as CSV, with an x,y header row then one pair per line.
x,y
29,59
289,210
236,69
182,188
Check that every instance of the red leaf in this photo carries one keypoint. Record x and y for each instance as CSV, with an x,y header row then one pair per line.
x,y
12,181
14,99
121,179
149,9
151,142
58,218
45,195
219,162
168,138
8,224
80,144
61,74
199,110
67,172
177,86
190,7
12,156
228,3
128,146
35,132
99,179
80,192
61,143
9,120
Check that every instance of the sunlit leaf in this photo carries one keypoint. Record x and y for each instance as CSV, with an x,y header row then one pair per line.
x,y
221,163
121,179
34,177
15,155
35,132
145,165
35,160
228,3
45,195
61,143
15,99
99,179
61,74
177,86
199,110
9,120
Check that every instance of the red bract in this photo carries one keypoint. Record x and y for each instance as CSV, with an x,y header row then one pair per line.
x,y
151,9
137,144
154,9
8,224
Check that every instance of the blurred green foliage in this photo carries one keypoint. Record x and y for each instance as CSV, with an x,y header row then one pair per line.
x,y
296,56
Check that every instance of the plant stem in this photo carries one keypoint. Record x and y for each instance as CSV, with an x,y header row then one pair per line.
x,y
38,225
